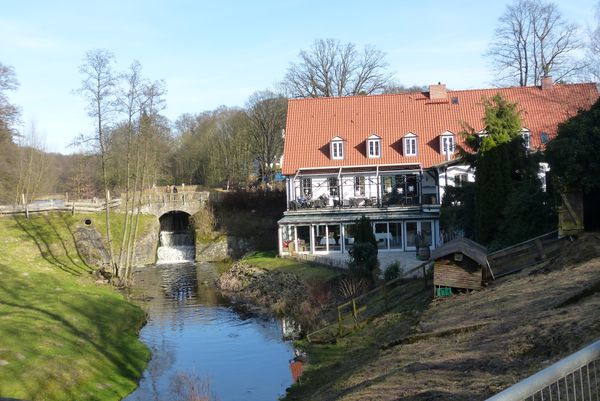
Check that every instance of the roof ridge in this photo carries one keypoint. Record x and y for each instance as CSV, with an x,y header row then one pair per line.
x,y
424,93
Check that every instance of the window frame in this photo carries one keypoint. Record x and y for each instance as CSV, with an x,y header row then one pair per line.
x,y
410,145
526,135
337,149
447,138
374,147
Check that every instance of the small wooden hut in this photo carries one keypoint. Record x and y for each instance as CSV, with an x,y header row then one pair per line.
x,y
460,264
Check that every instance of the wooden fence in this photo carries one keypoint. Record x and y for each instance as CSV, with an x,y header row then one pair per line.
x,y
519,256
52,206
359,310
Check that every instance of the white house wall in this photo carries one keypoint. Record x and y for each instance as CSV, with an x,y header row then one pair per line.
x,y
448,176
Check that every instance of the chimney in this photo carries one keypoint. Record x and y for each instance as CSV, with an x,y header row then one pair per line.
x,y
438,92
547,82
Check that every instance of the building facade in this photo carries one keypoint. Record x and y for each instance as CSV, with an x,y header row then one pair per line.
x,y
390,158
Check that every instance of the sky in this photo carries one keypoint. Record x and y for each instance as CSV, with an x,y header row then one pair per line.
x,y
213,53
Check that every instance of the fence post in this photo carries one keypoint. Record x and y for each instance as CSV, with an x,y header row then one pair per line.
x,y
339,321
354,313
385,296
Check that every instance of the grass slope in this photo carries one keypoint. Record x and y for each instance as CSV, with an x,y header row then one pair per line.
x,y
309,272
62,337
467,347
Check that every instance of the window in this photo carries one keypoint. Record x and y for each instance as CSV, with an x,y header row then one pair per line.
x,y
374,146
410,145
306,188
337,148
544,138
526,138
332,186
447,144
359,186
459,179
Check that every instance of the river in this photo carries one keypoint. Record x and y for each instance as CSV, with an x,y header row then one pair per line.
x,y
198,338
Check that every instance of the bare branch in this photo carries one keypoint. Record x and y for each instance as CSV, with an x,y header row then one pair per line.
x,y
331,68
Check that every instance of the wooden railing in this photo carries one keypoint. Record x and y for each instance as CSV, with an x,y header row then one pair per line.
x,y
358,310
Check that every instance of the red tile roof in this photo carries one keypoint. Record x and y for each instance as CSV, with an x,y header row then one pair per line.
x,y
312,123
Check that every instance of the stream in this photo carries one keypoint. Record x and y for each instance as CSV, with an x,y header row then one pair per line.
x,y
198,339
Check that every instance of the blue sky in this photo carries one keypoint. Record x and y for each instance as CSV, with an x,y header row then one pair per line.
x,y
219,52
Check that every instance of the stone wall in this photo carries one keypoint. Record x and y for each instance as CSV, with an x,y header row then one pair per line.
x,y
219,247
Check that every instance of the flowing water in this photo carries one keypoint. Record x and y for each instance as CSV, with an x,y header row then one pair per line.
x,y
176,247
196,336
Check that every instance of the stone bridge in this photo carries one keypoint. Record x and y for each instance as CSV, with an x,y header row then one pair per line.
x,y
161,204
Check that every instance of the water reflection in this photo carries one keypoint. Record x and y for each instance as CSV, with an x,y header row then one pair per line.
x,y
192,329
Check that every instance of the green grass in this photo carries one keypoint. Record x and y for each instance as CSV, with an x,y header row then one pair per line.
x,y
306,271
62,337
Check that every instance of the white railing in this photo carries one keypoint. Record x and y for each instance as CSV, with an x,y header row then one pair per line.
x,y
574,378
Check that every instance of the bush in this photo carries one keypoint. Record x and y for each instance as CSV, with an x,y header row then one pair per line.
x,y
364,260
392,271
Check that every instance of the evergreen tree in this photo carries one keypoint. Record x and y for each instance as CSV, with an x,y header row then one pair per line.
x,y
364,261
506,204
573,154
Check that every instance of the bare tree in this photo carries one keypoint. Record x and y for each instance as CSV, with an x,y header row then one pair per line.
x,y
32,164
533,40
332,68
267,113
593,49
97,87
9,113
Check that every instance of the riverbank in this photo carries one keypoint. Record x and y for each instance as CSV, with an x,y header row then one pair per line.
x,y
62,335
467,347
285,287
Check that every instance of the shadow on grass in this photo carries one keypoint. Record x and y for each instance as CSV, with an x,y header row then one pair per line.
x,y
110,333
44,234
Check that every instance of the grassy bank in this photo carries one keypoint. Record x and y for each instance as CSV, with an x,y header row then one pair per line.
x,y
309,272
62,337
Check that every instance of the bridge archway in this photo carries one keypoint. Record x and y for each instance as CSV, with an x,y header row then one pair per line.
x,y
177,239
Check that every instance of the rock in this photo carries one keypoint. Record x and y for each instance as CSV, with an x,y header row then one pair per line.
x,y
3,362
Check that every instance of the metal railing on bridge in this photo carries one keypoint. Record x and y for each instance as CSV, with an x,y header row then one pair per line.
x,y
574,378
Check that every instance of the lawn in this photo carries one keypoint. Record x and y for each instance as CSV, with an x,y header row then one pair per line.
x,y
309,272
62,336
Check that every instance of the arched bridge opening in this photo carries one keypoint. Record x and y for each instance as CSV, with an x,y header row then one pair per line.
x,y
176,239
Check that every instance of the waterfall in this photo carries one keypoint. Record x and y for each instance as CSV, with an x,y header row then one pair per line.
x,y
176,247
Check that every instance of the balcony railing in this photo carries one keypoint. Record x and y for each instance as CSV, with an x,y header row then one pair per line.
x,y
330,202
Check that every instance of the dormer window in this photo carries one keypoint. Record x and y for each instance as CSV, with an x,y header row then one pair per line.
x,y
409,145
337,148
447,145
526,134
374,146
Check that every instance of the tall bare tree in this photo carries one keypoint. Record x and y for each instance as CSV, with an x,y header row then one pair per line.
x,y
32,164
332,68
533,40
9,115
98,88
593,49
267,113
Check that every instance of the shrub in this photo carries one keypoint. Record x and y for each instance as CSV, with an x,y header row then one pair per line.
x,y
392,271
364,261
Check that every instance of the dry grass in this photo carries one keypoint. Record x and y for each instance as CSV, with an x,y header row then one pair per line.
x,y
470,346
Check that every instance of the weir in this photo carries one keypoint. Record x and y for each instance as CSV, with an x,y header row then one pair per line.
x,y
176,240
